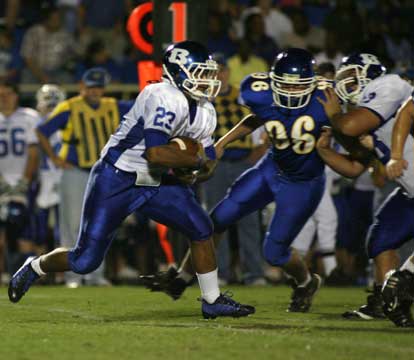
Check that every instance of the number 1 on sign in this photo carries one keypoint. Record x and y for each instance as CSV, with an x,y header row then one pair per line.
x,y
179,21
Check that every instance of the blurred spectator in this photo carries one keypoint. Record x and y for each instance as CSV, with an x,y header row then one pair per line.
x,y
399,49
97,55
261,44
218,38
103,19
374,42
10,60
277,24
346,23
244,63
331,51
304,35
69,10
316,11
47,49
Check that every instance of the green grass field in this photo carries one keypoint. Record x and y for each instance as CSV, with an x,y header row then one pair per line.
x,y
132,323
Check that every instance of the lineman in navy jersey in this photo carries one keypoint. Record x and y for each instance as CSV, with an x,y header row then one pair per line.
x,y
130,176
292,173
360,80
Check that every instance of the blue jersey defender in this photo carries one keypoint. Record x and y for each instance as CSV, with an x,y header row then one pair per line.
x,y
285,101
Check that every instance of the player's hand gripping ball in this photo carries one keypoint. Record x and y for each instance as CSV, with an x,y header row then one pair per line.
x,y
193,147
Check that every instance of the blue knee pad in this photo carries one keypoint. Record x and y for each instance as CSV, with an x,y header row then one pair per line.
x,y
223,214
276,254
85,259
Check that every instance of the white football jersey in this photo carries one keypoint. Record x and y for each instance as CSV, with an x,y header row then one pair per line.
x,y
384,96
160,107
17,132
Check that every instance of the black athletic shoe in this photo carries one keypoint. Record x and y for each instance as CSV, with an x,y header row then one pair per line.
x,y
165,281
398,287
338,278
225,306
302,296
372,309
401,315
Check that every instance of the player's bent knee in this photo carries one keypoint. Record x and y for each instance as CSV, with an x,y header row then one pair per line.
x,y
224,215
84,265
86,261
275,254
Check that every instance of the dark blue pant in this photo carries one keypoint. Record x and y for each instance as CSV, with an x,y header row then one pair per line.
x,y
393,224
295,201
111,195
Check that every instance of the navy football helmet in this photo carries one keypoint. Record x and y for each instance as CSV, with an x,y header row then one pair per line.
x,y
293,78
190,68
354,73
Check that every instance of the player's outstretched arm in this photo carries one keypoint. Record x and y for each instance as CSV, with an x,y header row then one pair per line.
x,y
402,127
356,122
246,126
342,164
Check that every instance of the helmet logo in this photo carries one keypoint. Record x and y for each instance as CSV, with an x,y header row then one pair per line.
x,y
370,59
178,56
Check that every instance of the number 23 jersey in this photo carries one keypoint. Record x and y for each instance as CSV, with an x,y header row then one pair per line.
x,y
160,110
293,132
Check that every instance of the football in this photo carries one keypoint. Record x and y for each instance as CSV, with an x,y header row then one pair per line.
x,y
186,144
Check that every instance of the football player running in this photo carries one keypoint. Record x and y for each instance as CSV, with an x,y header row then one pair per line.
x,y
361,80
130,176
398,289
284,100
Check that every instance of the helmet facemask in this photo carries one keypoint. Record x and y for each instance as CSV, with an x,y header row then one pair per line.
x,y
291,91
198,80
350,82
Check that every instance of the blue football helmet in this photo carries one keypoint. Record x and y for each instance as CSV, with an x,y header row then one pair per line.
x,y
190,68
354,73
293,78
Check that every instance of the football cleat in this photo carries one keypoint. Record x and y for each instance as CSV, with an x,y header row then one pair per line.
x,y
398,287
372,310
165,281
302,296
401,315
225,306
22,280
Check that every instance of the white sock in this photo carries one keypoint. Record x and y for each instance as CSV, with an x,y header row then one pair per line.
x,y
209,286
185,276
329,263
408,265
35,264
306,282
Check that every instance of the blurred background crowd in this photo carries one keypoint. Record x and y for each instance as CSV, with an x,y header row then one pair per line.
x,y
57,42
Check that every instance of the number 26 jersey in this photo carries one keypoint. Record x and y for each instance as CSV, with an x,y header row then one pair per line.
x,y
292,132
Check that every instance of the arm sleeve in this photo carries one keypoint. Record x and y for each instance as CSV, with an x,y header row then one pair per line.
x,y
57,120
385,99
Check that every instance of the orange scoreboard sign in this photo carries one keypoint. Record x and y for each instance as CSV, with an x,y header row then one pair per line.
x,y
154,25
